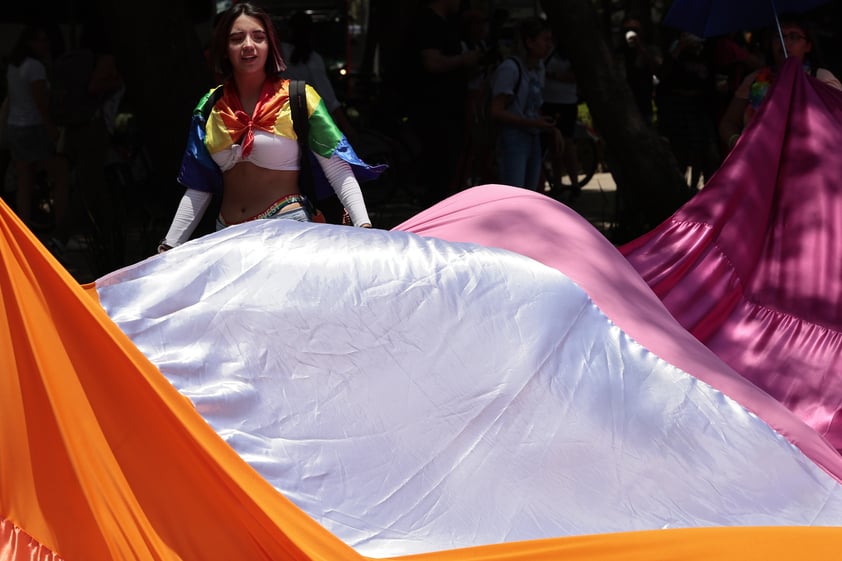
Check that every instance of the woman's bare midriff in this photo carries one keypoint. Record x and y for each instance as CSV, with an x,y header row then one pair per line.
x,y
249,190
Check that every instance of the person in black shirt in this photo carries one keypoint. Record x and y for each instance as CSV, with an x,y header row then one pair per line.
x,y
437,95
641,64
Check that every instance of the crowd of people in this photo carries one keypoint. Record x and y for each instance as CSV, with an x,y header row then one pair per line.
x,y
58,114
485,107
696,90
522,98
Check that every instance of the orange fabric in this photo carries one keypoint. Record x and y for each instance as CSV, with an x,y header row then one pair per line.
x,y
694,544
101,458
90,290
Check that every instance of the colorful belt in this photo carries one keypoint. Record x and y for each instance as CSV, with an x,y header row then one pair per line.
x,y
272,209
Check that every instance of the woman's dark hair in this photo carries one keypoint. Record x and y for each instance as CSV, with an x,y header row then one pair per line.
x,y
532,27
23,46
301,31
219,41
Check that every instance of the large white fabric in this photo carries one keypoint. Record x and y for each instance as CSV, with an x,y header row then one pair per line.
x,y
416,395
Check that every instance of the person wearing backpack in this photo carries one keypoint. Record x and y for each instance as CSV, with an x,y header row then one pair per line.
x,y
516,103
247,145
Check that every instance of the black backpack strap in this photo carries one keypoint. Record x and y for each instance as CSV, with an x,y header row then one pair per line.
x,y
301,126
519,75
516,90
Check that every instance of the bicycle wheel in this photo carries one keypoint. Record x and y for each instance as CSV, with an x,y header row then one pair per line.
x,y
586,154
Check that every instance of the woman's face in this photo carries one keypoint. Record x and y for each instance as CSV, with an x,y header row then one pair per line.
x,y
796,41
40,45
541,45
248,45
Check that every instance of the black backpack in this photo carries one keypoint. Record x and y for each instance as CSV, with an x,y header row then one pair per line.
x,y
331,209
301,126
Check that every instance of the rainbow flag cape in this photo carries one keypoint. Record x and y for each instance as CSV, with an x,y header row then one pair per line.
x,y
214,120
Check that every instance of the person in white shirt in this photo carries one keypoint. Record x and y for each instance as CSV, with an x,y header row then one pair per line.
x,y
32,134
517,96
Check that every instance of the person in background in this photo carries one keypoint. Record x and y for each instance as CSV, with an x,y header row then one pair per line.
x,y
641,63
33,136
439,74
686,101
732,61
305,63
477,155
561,103
517,97
89,92
242,143
800,43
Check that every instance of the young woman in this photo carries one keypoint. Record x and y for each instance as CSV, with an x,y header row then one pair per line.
x,y
516,107
799,44
242,143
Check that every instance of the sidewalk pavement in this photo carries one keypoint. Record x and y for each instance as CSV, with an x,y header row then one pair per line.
x,y
598,202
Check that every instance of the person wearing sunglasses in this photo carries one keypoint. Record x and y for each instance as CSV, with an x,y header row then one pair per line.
x,y
797,42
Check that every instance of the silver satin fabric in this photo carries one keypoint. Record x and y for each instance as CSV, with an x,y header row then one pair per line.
x,y
415,395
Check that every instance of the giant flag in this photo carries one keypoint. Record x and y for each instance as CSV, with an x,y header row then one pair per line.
x,y
493,380
752,266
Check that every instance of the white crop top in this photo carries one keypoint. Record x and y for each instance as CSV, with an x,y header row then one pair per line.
x,y
268,151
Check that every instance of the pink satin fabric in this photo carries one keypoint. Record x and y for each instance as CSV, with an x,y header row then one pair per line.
x,y
752,265
17,545
547,231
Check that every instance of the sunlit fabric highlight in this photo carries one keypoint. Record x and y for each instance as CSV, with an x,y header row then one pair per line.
x,y
752,265
413,394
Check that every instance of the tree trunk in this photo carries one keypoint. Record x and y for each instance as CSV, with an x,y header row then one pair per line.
x,y
650,186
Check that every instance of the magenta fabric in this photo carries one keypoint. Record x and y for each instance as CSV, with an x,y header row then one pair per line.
x,y
536,226
752,265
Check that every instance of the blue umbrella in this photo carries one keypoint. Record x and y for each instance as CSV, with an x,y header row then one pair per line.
x,y
708,18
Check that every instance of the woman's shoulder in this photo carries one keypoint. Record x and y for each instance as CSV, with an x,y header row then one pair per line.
x,y
509,66
208,100
826,76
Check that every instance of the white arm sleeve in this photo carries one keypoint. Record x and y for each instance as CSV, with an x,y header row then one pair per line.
x,y
190,210
342,179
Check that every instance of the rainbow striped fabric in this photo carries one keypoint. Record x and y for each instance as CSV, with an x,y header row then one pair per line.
x,y
219,121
